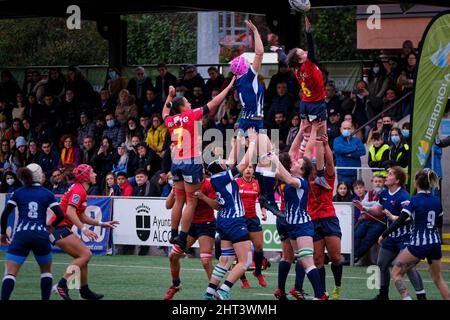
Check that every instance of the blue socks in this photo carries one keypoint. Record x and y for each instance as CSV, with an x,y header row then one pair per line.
x,y
337,273
299,276
283,271
8,286
322,277
258,258
314,278
46,285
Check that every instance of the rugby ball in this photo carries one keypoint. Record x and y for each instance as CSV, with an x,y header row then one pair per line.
x,y
300,5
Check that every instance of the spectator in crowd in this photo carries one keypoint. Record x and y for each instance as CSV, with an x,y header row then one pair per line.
x,y
360,96
5,153
145,125
198,99
142,188
15,130
152,103
18,110
294,126
133,155
33,110
369,226
407,48
143,160
192,79
387,126
86,128
88,152
405,132
10,182
48,158
120,160
332,99
392,68
8,86
376,153
377,128
282,127
100,124
283,102
70,153
355,125
138,85
107,104
18,158
126,107
113,131
343,193
55,83
377,86
5,109
80,86
3,126
398,152
181,91
28,84
115,82
163,81
156,135
51,119
215,80
285,75
33,153
111,187
333,126
39,88
389,99
27,131
348,151
406,80
126,190
359,191
104,160
69,109
132,129
59,182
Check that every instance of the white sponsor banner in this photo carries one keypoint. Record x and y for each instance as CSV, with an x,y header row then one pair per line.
x,y
146,221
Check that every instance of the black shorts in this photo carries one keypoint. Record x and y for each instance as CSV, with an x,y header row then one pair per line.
x,y
207,229
253,224
60,233
282,229
326,227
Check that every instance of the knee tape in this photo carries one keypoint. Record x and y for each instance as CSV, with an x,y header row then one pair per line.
x,y
190,195
228,252
206,256
177,250
304,253
180,193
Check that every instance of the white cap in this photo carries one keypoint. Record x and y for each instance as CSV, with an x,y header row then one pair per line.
x,y
36,171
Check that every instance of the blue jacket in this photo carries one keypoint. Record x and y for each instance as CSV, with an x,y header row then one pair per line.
x,y
48,162
348,153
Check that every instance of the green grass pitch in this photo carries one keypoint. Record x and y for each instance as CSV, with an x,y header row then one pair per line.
x,y
146,277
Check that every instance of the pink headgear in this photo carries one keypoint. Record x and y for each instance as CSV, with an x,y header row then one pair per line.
x,y
82,172
238,66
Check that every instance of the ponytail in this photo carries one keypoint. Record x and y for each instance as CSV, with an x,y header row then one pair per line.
x,y
427,179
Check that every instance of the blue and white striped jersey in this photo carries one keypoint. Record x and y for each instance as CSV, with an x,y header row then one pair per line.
x,y
251,94
32,203
227,194
394,203
296,202
424,209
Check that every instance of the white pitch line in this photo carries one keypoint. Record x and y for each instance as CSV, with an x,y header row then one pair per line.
x,y
192,269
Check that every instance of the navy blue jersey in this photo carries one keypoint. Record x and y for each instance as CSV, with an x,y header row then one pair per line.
x,y
296,201
227,194
394,203
251,94
424,209
33,203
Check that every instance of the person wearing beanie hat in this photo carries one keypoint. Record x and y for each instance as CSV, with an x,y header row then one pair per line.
x,y
73,204
20,142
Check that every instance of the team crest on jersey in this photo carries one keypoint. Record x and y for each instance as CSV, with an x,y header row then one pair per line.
x,y
76,198
255,187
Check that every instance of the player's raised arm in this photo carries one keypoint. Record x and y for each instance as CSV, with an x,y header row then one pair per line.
x,y
283,174
217,101
310,41
252,137
168,103
259,47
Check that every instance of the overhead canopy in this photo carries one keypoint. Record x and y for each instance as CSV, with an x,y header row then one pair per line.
x,y
92,9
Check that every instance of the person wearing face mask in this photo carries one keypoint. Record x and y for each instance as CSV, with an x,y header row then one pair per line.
x,y
348,151
376,151
370,225
115,82
377,86
132,129
405,132
386,129
113,131
398,153
10,183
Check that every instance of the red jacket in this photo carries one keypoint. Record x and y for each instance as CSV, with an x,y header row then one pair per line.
x,y
127,189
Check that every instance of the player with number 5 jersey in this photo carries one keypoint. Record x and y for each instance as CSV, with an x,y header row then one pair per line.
x,y
31,233
184,126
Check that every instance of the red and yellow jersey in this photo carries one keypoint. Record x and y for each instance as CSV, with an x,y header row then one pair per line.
x,y
203,212
320,200
281,191
76,197
184,131
311,82
249,192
